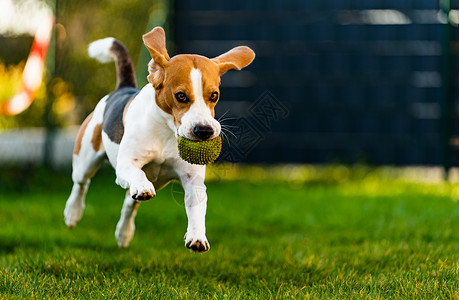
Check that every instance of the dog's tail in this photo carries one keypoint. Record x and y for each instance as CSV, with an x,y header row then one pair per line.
x,y
110,49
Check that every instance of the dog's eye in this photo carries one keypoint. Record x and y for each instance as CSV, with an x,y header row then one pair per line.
x,y
213,97
181,97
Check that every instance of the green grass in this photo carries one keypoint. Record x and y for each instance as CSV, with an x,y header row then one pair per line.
x,y
366,237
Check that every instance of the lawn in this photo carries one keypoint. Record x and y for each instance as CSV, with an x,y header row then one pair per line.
x,y
321,234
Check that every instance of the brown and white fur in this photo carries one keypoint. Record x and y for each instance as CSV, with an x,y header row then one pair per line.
x,y
137,131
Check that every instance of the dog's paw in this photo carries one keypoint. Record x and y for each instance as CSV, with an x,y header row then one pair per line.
x,y
196,243
142,191
124,233
122,183
73,212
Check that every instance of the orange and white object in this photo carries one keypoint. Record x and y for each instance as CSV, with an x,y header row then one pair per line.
x,y
33,71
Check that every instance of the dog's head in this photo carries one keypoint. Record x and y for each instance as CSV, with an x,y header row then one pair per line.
x,y
187,86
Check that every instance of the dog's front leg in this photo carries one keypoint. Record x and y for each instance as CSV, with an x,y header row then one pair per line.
x,y
129,174
195,205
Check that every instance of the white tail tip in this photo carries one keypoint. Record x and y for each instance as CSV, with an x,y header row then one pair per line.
x,y
100,50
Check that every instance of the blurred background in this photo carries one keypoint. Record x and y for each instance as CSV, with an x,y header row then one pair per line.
x,y
334,82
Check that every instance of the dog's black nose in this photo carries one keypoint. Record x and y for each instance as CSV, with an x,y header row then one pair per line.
x,y
203,132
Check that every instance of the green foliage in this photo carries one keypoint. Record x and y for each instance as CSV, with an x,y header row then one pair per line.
x,y
82,22
269,239
10,84
62,108
78,82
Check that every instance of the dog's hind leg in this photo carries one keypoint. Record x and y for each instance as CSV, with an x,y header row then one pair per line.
x,y
88,156
126,227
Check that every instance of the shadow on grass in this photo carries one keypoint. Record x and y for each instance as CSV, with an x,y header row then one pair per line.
x,y
9,246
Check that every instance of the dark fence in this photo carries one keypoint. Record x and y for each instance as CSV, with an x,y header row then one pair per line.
x,y
367,81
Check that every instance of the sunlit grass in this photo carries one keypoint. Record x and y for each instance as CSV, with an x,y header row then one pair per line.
x,y
362,237
350,180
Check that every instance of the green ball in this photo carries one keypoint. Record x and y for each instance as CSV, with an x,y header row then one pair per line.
x,y
199,152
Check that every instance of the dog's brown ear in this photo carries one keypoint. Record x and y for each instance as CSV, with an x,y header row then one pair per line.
x,y
155,40
237,58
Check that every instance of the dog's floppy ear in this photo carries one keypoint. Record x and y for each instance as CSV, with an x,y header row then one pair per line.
x,y
237,58
155,41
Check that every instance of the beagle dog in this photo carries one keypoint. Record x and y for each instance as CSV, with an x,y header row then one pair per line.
x,y
137,130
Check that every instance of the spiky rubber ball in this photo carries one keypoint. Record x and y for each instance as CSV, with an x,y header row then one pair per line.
x,y
199,152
